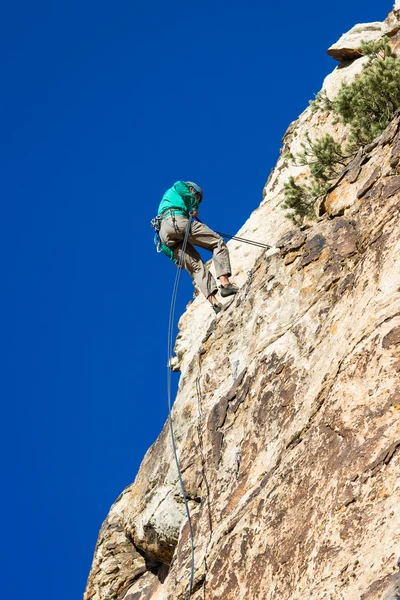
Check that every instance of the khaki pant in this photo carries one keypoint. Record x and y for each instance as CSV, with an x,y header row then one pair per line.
x,y
172,233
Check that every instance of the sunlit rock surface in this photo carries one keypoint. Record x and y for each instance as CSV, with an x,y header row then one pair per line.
x,y
349,45
287,418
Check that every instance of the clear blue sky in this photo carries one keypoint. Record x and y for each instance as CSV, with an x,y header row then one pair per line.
x,y
103,106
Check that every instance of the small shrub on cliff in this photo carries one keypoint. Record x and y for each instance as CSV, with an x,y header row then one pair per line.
x,y
300,199
366,106
324,156
368,103
326,160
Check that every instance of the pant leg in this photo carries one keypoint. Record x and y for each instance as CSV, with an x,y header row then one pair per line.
x,y
197,269
172,234
203,236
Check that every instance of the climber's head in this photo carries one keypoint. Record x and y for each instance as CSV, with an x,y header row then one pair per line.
x,y
196,190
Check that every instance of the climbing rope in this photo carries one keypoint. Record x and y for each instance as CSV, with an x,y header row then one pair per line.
x,y
203,466
243,240
169,378
240,239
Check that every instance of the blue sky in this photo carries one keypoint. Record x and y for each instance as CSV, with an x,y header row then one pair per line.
x,y
103,107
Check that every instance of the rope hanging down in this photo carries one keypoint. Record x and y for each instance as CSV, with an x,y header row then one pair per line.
x,y
169,376
170,349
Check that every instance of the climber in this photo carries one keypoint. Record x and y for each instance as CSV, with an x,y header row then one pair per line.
x,y
178,202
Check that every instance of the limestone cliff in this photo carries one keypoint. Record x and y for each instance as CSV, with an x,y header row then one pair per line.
x,y
287,415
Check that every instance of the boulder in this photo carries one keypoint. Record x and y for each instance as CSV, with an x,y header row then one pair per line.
x,y
349,45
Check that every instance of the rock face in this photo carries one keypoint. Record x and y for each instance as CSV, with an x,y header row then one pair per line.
x,y
348,47
287,418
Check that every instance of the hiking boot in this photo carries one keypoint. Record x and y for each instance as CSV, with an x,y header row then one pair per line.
x,y
217,308
228,290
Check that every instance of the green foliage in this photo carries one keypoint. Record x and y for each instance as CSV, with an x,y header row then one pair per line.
x,y
368,103
379,49
366,106
300,199
324,156
321,102
326,160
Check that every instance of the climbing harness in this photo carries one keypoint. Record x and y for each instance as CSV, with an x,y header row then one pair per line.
x,y
156,224
170,348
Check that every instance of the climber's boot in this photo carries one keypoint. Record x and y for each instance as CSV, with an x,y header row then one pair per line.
x,y
228,290
217,308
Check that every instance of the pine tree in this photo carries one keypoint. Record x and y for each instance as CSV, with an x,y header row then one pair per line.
x,y
368,103
324,156
300,199
326,160
366,106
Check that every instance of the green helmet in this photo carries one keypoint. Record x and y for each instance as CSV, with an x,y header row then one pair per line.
x,y
197,188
